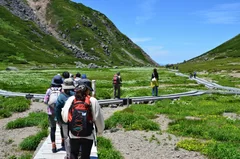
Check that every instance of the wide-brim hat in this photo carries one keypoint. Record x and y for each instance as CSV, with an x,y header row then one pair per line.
x,y
57,80
85,82
68,84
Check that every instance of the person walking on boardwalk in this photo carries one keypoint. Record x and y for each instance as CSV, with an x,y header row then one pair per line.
x,y
117,82
50,99
68,90
77,78
82,112
154,82
194,74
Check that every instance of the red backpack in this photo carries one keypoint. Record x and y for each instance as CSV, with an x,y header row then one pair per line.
x,y
116,79
80,118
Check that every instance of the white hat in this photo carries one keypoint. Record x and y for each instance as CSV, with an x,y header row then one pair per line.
x,y
68,84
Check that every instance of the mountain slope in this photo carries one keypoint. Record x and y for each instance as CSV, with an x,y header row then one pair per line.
x,y
224,57
62,31
22,42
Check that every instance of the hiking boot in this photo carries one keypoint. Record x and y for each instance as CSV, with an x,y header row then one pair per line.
x,y
54,148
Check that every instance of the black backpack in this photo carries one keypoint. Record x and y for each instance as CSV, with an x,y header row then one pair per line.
x,y
80,118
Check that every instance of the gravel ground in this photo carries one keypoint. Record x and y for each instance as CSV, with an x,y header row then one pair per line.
x,y
131,144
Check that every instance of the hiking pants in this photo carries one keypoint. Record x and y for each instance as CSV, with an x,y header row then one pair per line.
x,y
116,90
52,125
66,139
155,91
86,145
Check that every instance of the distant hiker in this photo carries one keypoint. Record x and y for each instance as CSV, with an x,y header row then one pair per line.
x,y
117,81
68,90
84,76
154,82
191,75
65,75
50,99
77,78
71,76
80,110
195,74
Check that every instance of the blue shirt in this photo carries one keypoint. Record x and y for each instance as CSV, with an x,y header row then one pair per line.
x,y
62,98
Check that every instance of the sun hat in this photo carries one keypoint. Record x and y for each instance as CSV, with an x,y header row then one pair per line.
x,y
57,80
68,84
85,82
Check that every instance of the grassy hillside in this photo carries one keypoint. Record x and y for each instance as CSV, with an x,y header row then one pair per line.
x,y
94,33
224,57
23,43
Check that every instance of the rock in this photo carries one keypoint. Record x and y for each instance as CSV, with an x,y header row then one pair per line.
x,y
9,68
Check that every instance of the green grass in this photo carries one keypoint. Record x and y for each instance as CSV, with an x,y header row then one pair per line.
x,y
133,119
32,142
22,42
33,119
106,150
12,104
136,81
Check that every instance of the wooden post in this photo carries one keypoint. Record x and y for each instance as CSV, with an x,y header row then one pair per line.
x,y
94,88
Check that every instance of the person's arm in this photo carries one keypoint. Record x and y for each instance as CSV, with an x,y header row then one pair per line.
x,y
58,108
46,97
66,107
120,79
152,76
97,115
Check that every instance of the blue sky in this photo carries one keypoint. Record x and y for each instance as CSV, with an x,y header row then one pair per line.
x,y
172,31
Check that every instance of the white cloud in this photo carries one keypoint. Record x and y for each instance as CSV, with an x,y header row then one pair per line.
x,y
147,8
228,13
138,40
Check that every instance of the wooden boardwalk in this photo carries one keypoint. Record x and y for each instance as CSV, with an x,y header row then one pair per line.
x,y
44,150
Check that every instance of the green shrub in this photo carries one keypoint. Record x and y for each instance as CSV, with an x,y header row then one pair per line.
x,y
130,120
106,150
26,156
5,113
33,119
31,142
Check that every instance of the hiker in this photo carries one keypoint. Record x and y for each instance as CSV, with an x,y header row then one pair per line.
x,y
77,78
82,103
154,82
68,90
195,74
84,76
50,99
117,82
65,75
191,75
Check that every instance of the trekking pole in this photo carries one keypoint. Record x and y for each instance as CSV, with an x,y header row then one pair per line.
x,y
94,88
94,135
